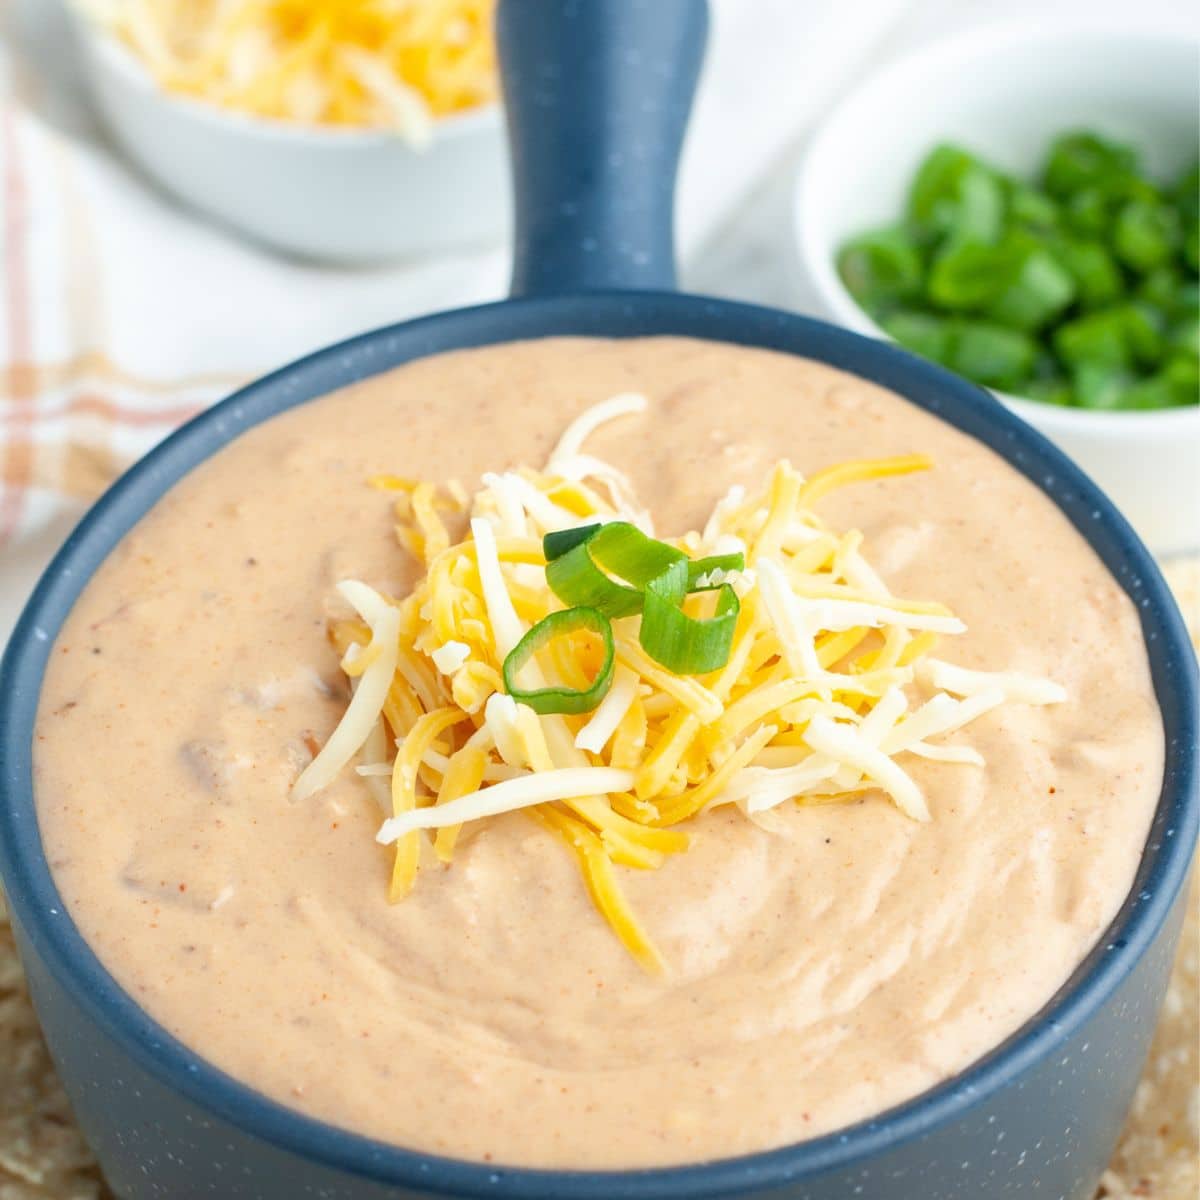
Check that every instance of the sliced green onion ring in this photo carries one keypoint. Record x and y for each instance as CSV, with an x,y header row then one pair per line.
x,y
588,573
686,645
556,544
561,699
699,567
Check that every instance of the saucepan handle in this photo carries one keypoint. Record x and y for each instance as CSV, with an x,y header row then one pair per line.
x,y
598,94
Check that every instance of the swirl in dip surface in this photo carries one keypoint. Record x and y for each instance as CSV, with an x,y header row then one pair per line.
x,y
819,973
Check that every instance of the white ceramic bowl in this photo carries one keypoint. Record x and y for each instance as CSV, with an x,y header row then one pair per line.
x,y
1005,93
350,196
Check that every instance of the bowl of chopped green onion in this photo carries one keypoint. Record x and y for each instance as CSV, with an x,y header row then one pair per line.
x,y
1023,206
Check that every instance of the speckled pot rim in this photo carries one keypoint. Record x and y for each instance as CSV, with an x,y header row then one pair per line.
x,y
55,939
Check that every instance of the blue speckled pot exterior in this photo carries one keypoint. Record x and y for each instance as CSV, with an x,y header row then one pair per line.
x,y
1036,1119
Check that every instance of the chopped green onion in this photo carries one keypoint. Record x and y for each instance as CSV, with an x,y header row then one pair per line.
x,y
922,333
556,544
1097,277
561,699
1088,212
1187,200
881,268
1178,383
957,198
1161,287
1050,391
1184,335
993,355
1083,160
1032,209
964,278
704,568
1098,385
978,215
1098,338
1145,234
607,567
686,645
1182,373
1186,192
1079,285
609,570
1144,330
1039,289
937,181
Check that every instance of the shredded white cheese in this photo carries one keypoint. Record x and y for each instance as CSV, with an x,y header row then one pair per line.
x,y
716,577
510,512
500,718
837,615
366,704
879,721
795,639
595,735
322,62
545,514
507,627
401,106
588,421
567,461
544,787
940,715
449,656
1012,687
492,772
377,765
965,755
758,789
714,528
846,745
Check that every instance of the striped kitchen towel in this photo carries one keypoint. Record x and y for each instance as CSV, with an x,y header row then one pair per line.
x,y
121,314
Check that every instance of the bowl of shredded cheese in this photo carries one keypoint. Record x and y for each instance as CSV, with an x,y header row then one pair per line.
x,y
340,130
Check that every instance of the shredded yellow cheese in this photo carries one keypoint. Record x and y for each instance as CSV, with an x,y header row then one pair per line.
x,y
828,686
391,64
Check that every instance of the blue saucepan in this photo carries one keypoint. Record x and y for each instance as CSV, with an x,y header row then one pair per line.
x,y
598,92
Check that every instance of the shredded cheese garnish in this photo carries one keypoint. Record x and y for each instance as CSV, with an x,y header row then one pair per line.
x,y
828,686
544,787
369,697
595,735
449,656
1020,689
383,64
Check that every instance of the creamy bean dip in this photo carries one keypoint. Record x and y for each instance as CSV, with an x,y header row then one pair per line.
x,y
820,972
